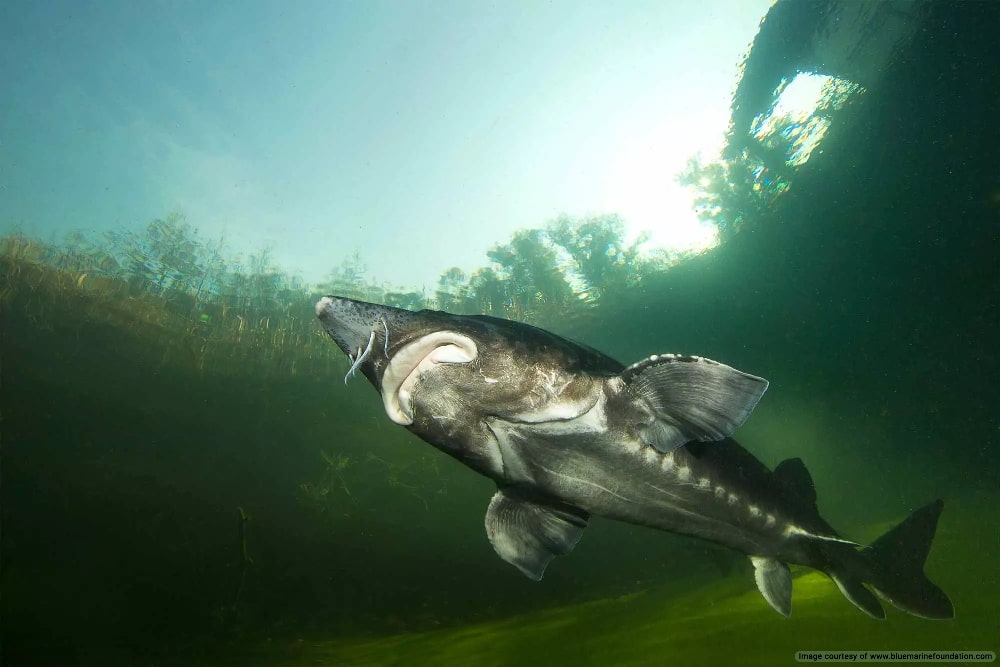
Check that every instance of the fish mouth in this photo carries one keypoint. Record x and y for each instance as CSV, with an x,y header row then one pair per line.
x,y
354,326
413,360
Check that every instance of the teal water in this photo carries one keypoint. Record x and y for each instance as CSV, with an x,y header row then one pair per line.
x,y
188,480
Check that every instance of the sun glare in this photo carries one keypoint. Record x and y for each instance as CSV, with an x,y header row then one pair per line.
x,y
801,114
642,188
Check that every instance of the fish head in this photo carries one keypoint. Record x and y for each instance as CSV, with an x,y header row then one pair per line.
x,y
394,348
364,332
432,366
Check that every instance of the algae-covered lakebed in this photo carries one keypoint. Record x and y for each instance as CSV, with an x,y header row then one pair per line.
x,y
725,623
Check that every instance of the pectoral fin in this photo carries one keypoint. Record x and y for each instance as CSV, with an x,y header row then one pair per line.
x,y
691,398
529,532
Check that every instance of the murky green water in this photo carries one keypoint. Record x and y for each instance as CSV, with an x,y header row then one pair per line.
x,y
188,480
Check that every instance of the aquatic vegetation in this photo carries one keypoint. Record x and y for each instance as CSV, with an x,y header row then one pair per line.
x,y
764,151
227,617
420,479
174,293
725,194
324,494
600,256
245,560
233,315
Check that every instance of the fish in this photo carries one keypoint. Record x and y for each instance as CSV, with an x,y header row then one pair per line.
x,y
568,433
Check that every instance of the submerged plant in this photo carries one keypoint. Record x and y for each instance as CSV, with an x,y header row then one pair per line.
x,y
194,307
323,493
420,479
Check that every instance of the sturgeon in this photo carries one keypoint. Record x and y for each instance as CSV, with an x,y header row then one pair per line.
x,y
568,433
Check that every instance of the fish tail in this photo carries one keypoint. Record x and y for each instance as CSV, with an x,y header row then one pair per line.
x,y
893,567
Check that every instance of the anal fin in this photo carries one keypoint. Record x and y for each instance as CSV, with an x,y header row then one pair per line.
x,y
774,580
528,532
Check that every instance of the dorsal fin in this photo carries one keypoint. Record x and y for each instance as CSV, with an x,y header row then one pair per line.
x,y
691,398
792,474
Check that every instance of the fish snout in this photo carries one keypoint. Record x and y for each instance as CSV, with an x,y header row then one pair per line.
x,y
349,323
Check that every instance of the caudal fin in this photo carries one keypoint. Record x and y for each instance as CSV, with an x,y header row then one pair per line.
x,y
898,558
895,570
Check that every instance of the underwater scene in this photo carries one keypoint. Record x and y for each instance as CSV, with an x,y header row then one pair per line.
x,y
273,397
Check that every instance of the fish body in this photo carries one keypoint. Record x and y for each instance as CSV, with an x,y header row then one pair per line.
x,y
568,433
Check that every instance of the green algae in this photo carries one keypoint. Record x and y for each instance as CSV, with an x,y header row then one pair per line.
x,y
726,623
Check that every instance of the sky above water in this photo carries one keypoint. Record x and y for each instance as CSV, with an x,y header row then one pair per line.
x,y
419,134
